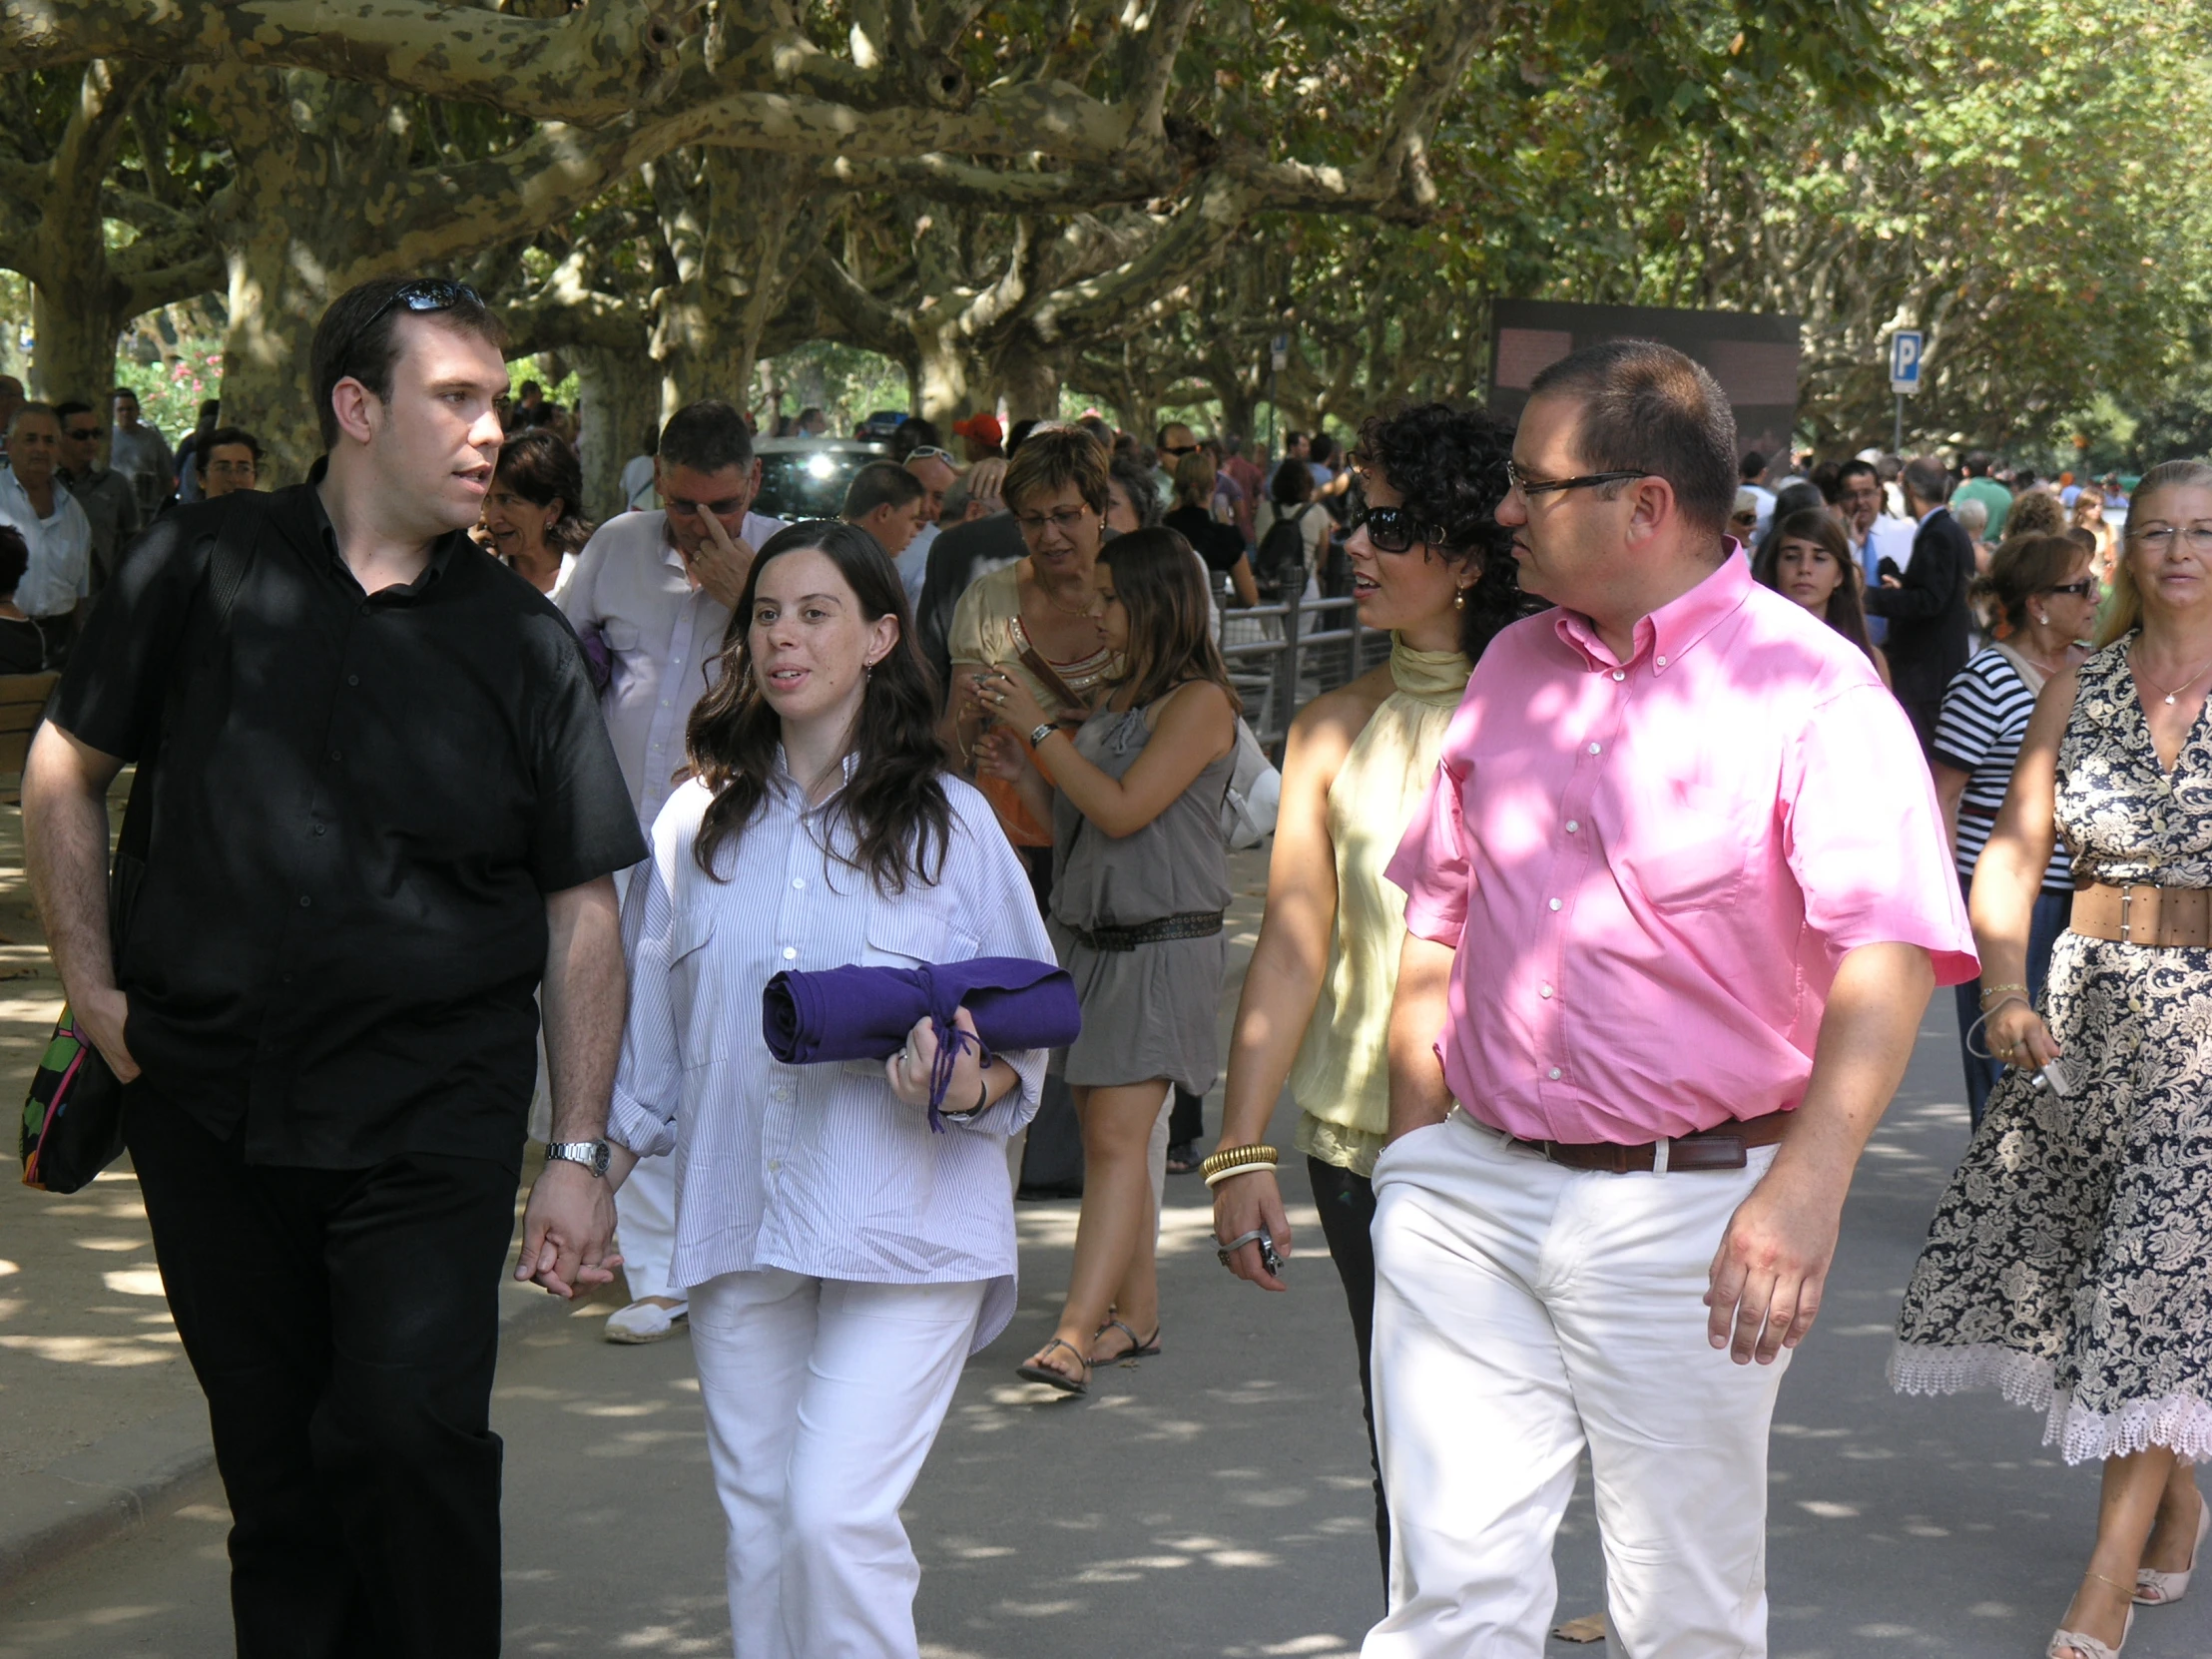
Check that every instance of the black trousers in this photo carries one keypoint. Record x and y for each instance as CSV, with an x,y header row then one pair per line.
x,y
344,1325
1346,1205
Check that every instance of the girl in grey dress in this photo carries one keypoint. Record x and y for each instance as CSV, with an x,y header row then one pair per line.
x,y
1141,878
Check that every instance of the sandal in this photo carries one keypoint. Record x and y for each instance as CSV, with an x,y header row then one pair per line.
x,y
1035,1370
1135,1351
2163,1589
1183,1158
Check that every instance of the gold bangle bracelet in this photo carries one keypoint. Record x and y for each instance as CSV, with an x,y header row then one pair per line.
x,y
1995,991
1235,1157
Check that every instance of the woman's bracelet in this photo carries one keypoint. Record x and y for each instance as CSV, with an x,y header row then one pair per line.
x,y
1038,734
1992,990
1235,1160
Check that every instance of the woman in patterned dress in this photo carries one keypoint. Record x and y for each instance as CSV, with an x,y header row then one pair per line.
x,y
2067,1262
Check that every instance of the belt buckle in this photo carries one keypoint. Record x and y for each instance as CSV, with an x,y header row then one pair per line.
x,y
2127,905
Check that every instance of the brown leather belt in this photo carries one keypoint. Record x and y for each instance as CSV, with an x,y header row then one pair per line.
x,y
1724,1146
2143,914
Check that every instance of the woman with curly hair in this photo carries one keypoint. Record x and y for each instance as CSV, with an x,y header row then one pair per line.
x,y
843,1248
1430,563
533,512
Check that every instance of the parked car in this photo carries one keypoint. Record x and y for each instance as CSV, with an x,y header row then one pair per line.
x,y
806,477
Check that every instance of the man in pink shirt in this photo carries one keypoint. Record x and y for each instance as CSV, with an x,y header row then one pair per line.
x,y
1675,904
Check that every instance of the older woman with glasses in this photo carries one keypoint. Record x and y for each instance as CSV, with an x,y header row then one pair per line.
x,y
2066,1263
1429,563
1039,618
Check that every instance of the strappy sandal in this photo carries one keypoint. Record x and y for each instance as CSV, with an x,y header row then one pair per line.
x,y
2163,1589
2071,1644
1030,1370
1135,1351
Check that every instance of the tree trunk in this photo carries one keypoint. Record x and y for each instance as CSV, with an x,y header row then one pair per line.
x,y
76,334
943,371
736,227
1030,379
621,398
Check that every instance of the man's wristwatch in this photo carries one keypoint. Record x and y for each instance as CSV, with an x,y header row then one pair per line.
x,y
593,1155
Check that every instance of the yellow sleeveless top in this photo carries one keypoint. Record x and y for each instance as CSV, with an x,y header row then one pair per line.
x,y
1342,1079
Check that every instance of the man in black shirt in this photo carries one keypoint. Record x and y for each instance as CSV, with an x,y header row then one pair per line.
x,y
383,810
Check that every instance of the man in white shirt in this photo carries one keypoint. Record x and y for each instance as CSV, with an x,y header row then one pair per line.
x,y
54,525
651,597
137,449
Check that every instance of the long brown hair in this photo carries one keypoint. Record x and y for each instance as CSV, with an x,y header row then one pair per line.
x,y
1157,580
895,808
1844,612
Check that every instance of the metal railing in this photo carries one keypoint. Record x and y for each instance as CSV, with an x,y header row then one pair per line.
x,y
1283,655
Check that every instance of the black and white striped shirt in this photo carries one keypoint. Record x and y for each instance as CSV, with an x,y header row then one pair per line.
x,y
1984,720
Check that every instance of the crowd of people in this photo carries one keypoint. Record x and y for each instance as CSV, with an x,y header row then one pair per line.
x,y
1600,920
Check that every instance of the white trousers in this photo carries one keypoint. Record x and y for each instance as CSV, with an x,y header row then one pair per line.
x,y
645,1216
823,1398
1524,1312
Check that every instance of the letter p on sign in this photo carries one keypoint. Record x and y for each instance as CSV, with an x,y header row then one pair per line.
x,y
1904,360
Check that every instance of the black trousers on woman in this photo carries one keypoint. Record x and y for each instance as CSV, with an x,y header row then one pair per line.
x,y
1346,1205
344,1325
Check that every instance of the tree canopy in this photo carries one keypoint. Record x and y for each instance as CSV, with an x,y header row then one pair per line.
x,y
1127,196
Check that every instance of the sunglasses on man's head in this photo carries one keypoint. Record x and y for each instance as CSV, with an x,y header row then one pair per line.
x,y
1394,529
930,453
425,294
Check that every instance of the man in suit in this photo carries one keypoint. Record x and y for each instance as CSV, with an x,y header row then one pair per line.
x,y
1926,606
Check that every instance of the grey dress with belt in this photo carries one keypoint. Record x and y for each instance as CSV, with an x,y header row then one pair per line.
x,y
1150,1011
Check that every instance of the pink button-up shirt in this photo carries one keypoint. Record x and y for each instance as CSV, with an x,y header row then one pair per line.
x,y
1651,869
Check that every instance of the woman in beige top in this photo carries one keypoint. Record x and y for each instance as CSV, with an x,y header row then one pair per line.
x,y
1429,562
1039,618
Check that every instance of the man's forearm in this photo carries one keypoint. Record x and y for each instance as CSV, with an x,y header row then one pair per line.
x,y
1867,1034
65,848
1419,1093
584,998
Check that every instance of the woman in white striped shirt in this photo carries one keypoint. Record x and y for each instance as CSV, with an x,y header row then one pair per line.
x,y
843,1258
2043,593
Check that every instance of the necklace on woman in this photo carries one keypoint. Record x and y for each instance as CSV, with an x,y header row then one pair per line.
x,y
1053,599
2194,675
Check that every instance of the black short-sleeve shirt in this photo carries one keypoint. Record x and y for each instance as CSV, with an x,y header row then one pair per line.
x,y
359,806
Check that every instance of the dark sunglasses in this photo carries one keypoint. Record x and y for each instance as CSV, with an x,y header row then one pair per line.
x,y
2080,590
1394,529
1179,448
423,296
82,434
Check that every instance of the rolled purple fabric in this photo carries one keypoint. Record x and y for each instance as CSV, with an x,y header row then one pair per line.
x,y
864,1013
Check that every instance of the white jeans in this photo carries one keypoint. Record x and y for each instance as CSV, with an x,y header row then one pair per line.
x,y
823,1398
645,1215
1523,1311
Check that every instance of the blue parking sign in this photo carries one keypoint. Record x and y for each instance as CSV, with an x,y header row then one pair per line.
x,y
1904,360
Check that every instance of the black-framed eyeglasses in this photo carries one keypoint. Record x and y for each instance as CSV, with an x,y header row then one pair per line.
x,y
1529,486
2080,590
1179,448
1394,529
423,296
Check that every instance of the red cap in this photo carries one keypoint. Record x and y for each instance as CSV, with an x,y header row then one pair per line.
x,y
983,428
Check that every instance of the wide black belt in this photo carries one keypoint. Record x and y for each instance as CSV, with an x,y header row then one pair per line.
x,y
1192,924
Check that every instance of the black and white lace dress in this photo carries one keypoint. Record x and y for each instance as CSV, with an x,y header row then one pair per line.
x,y
2070,1262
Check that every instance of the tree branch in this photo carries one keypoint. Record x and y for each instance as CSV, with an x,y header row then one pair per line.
x,y
594,65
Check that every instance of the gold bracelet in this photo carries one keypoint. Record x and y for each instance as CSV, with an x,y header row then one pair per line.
x,y
1236,1158
1992,990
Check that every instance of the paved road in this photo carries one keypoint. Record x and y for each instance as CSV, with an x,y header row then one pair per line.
x,y
1213,1502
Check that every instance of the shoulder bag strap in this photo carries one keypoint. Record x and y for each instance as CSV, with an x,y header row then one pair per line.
x,y
1074,711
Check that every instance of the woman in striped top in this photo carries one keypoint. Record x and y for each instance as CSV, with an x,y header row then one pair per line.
x,y
844,1257
2043,592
